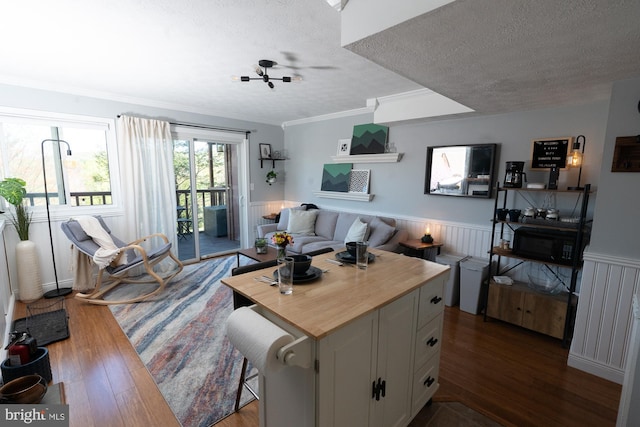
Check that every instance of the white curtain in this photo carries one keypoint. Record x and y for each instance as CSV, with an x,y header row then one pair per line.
x,y
145,151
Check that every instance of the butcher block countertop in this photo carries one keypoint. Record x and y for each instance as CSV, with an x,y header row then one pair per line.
x,y
342,294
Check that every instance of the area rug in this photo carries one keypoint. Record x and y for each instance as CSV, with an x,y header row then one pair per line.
x,y
180,337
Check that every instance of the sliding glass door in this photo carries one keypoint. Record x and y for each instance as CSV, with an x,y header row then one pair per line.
x,y
210,193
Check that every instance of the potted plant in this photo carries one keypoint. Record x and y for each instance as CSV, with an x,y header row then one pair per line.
x,y
13,190
271,177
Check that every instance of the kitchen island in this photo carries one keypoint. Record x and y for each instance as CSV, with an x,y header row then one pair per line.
x,y
374,342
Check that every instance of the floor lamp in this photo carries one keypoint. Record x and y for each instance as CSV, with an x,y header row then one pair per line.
x,y
57,292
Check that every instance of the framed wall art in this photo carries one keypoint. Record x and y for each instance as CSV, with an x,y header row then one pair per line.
x,y
344,147
359,181
369,139
336,177
265,151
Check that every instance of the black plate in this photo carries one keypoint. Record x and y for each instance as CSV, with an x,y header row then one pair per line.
x,y
346,257
312,274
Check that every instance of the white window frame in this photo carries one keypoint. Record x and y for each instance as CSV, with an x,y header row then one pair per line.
x,y
52,119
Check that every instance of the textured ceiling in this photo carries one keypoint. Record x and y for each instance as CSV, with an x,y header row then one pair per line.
x,y
509,55
491,55
182,54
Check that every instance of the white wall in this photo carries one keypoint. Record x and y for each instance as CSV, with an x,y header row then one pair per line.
x,y
399,187
611,273
34,99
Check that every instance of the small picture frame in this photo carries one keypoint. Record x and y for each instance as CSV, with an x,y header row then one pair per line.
x,y
265,151
344,147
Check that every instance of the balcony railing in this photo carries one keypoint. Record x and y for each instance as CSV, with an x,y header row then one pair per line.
x,y
208,197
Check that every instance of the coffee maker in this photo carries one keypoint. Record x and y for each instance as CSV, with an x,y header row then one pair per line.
x,y
514,175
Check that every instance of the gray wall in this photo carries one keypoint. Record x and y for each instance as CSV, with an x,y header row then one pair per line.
x,y
34,99
617,231
399,187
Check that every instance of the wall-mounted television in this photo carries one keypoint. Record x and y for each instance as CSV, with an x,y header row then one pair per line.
x,y
460,170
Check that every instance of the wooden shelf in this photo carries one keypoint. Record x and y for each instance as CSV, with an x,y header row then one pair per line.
x,y
368,158
550,226
359,197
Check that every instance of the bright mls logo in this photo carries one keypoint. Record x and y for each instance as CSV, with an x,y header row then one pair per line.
x,y
37,415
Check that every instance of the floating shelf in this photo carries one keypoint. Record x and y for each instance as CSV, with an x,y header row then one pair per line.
x,y
368,158
270,160
360,197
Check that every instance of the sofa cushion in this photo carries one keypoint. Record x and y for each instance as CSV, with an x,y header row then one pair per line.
x,y
357,231
284,217
380,232
326,223
302,222
300,243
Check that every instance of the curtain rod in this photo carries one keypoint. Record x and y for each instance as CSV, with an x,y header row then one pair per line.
x,y
198,126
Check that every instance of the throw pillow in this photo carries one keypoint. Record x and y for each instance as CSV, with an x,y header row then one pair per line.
x,y
356,232
381,232
302,222
283,223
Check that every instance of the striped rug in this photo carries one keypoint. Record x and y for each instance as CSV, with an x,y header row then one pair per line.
x,y
180,337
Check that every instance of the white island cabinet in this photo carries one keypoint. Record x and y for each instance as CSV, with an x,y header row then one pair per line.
x,y
376,337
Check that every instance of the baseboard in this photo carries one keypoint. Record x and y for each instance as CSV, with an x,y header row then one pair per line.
x,y
595,368
9,318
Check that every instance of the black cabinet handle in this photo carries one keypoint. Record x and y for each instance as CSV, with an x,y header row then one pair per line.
x,y
374,391
429,381
436,300
383,388
432,341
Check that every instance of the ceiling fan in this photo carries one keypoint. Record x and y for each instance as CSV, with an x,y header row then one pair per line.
x,y
261,71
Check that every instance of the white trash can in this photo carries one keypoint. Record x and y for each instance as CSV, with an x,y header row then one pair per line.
x,y
473,272
452,287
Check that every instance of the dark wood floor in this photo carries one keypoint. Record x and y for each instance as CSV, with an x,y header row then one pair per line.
x,y
516,377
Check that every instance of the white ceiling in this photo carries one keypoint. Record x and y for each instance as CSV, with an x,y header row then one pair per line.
x,y
492,55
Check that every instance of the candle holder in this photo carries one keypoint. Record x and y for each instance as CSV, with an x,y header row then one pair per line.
x,y
427,238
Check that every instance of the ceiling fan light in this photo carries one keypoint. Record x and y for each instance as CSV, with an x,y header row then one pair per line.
x,y
286,79
244,78
270,84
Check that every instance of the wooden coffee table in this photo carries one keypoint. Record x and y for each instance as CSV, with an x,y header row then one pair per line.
x,y
252,254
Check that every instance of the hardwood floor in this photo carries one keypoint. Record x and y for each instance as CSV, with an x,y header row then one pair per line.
x,y
516,377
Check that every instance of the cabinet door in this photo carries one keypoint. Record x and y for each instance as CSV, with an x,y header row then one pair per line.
x,y
505,303
346,369
545,314
396,330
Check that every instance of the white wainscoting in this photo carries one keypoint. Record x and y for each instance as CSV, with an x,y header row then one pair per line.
x,y
605,316
458,238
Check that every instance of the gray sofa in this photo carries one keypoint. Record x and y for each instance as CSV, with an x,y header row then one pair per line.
x,y
331,228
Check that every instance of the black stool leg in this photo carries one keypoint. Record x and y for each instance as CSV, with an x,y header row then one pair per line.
x,y
241,384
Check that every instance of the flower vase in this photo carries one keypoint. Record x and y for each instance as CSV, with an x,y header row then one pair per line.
x,y
28,263
282,252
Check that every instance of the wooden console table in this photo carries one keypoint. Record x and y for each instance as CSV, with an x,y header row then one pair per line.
x,y
416,248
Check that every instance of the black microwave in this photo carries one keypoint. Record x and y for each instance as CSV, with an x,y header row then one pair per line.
x,y
554,246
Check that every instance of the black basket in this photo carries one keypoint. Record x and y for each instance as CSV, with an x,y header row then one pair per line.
x,y
46,321
39,365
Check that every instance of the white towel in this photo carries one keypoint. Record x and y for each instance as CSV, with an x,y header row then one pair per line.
x,y
108,250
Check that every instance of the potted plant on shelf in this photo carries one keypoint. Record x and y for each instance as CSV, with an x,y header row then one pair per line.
x,y
13,190
271,177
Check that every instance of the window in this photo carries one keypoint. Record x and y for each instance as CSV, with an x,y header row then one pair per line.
x,y
82,179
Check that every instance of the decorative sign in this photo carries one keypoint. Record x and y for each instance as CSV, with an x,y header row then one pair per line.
x,y
550,153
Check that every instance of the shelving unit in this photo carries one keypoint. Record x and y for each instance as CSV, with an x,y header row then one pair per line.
x,y
518,303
